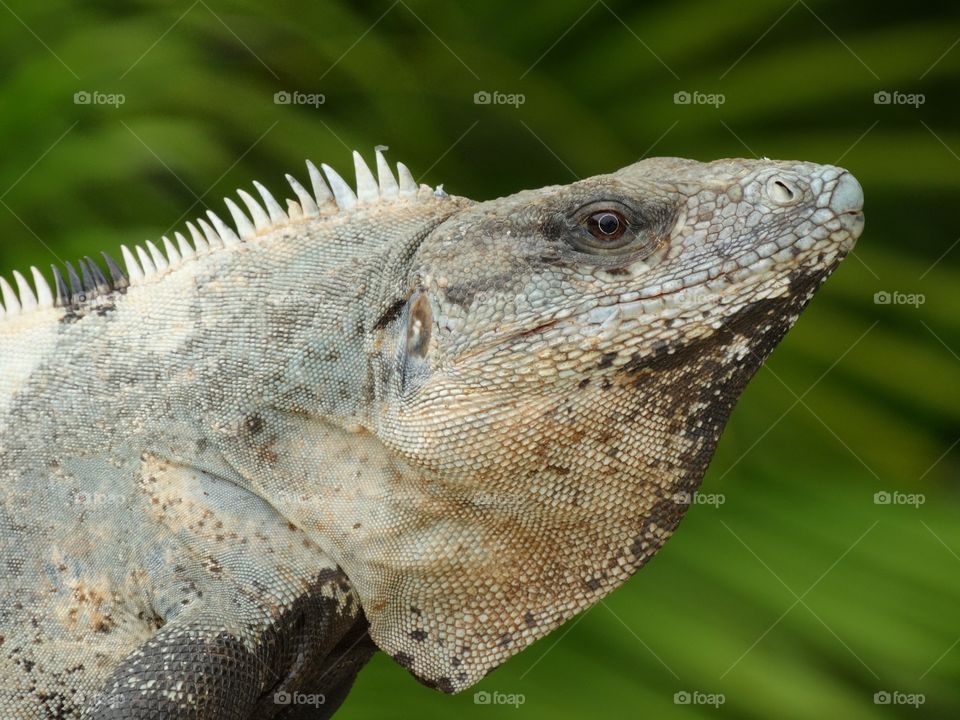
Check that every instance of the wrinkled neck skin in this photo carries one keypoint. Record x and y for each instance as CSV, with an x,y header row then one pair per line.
x,y
423,546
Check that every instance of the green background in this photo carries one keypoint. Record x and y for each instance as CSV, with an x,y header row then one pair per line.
x,y
799,596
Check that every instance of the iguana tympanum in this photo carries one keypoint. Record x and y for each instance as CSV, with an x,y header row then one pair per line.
x,y
378,418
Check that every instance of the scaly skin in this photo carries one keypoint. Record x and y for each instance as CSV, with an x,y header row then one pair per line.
x,y
459,422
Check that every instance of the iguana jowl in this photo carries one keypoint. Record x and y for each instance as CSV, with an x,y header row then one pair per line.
x,y
459,422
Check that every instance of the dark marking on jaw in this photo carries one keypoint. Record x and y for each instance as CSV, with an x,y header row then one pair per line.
x,y
746,322
606,360
443,684
418,635
403,660
658,526
461,295
529,620
465,293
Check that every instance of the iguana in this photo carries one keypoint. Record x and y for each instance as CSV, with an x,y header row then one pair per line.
x,y
378,418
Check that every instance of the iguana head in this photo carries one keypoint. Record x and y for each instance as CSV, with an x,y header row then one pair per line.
x,y
558,379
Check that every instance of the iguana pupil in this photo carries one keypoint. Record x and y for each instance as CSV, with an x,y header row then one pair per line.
x,y
609,225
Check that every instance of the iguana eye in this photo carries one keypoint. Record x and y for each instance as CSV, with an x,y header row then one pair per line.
x,y
606,227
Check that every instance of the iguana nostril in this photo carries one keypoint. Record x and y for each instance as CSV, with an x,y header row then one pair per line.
x,y
781,191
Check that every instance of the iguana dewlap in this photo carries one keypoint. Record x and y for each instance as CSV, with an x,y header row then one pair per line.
x,y
458,422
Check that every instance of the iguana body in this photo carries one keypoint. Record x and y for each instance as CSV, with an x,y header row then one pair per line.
x,y
460,422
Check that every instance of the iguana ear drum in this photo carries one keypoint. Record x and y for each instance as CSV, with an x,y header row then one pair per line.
x,y
419,324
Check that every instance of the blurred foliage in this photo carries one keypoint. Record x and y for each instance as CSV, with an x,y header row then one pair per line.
x,y
798,597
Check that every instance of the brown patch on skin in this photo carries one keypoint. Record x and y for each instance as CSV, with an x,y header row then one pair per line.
x,y
606,360
94,605
267,456
254,424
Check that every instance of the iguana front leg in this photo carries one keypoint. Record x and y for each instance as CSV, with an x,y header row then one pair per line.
x,y
259,622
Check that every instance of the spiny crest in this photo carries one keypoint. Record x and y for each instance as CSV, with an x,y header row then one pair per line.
x,y
329,196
